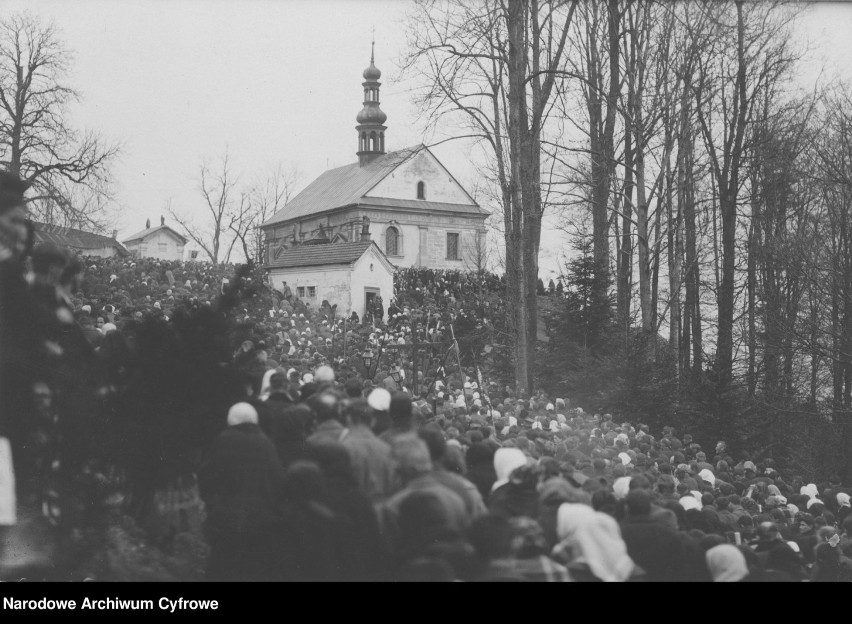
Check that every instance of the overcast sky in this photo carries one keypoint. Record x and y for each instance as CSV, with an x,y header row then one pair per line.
x,y
178,82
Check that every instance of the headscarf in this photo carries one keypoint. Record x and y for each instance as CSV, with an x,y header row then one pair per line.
x,y
708,476
690,502
266,384
843,499
594,539
809,490
726,563
621,487
506,461
241,413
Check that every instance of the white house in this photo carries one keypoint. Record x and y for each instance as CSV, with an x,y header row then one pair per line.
x,y
347,275
160,242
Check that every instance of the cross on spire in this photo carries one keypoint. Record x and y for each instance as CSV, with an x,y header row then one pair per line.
x,y
373,47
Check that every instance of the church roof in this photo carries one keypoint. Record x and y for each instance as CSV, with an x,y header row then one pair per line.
x,y
74,239
347,185
317,255
148,231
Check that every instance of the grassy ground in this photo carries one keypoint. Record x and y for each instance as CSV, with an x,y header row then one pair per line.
x,y
117,551
128,555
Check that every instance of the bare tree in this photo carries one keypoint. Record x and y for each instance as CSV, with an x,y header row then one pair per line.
x,y
496,66
743,56
64,165
217,188
266,196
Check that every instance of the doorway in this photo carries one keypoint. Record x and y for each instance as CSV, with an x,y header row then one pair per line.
x,y
370,295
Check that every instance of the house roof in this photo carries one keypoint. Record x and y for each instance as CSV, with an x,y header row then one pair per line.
x,y
320,255
147,232
74,239
347,185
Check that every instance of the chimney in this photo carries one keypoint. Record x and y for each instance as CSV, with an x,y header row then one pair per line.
x,y
115,234
148,224
162,220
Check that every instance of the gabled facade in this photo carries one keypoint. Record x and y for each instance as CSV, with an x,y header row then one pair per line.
x,y
160,242
419,214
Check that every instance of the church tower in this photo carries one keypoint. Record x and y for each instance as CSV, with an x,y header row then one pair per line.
x,y
371,119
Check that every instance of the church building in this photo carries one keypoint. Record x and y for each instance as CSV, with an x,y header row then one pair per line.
x,y
418,213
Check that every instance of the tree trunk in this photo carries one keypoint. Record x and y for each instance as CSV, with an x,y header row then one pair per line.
x,y
625,275
518,122
675,256
692,302
602,164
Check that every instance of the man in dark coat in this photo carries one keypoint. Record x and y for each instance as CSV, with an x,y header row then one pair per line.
x,y
372,464
362,554
240,483
284,421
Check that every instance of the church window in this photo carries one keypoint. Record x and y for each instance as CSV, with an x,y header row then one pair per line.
x,y
453,246
374,141
421,190
392,242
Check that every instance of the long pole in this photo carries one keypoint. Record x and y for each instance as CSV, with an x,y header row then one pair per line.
x,y
458,359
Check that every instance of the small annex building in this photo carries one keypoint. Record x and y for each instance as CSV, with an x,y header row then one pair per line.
x,y
346,274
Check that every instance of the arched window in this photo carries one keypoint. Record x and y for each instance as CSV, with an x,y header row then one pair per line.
x,y
374,142
363,142
421,190
392,241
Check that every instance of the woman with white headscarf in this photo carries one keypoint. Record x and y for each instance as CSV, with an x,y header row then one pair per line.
x,y
591,545
727,564
266,385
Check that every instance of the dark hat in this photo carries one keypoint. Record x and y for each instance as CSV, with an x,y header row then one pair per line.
x,y
47,255
400,406
12,190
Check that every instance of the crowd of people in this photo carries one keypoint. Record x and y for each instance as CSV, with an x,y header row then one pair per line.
x,y
278,326
316,480
330,466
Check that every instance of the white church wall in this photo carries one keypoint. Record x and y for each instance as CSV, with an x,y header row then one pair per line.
x,y
330,282
439,184
370,272
410,241
435,256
